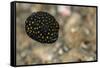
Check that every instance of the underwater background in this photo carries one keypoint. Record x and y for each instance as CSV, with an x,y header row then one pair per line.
x,y
76,41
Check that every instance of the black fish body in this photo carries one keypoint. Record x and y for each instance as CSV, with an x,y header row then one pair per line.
x,y
42,27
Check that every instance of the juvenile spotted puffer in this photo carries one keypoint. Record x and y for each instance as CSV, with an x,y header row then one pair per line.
x,y
42,27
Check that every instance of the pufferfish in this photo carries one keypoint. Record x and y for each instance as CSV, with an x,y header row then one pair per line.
x,y
42,27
